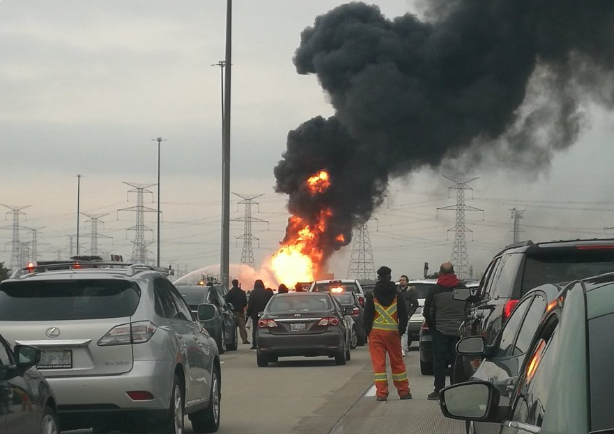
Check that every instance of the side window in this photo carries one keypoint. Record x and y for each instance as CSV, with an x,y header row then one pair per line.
x,y
489,279
5,355
183,309
530,325
508,334
508,271
164,301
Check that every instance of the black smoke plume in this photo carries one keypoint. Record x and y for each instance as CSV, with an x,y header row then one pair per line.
x,y
501,80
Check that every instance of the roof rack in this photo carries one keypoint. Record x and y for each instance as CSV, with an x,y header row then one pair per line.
x,y
131,269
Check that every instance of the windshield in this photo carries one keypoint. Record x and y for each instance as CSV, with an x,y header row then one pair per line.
x,y
335,287
421,288
290,303
67,300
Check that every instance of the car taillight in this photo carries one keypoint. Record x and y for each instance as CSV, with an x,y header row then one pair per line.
x,y
123,334
140,395
361,300
329,321
266,323
509,308
424,326
355,311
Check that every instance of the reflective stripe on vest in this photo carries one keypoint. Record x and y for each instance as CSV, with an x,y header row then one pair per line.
x,y
385,318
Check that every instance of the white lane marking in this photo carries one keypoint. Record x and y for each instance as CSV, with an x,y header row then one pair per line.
x,y
371,391
221,363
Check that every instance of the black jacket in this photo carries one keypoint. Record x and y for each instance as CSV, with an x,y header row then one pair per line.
x,y
410,297
237,297
441,312
258,299
385,292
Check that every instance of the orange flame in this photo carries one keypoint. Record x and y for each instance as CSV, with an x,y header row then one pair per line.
x,y
318,183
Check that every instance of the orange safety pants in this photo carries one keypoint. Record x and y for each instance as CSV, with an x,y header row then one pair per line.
x,y
380,342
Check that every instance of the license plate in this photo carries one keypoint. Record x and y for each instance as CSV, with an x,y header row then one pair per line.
x,y
297,327
55,359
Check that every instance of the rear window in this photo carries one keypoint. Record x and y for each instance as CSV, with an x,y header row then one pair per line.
x,y
67,300
345,298
601,354
338,286
567,266
298,304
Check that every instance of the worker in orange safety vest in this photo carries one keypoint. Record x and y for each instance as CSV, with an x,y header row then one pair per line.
x,y
385,320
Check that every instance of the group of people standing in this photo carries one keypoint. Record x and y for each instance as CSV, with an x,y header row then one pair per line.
x,y
387,311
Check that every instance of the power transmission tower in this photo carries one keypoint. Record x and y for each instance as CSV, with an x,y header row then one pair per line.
x,y
247,255
516,217
25,252
94,235
460,256
139,245
361,259
34,244
15,243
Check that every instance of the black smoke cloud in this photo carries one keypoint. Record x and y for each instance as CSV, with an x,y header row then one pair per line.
x,y
500,80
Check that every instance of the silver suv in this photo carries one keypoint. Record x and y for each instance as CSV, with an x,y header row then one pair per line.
x,y
119,347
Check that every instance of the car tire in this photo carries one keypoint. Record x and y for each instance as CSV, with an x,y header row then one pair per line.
x,y
354,341
340,358
426,368
261,360
49,423
458,371
362,340
233,346
348,355
208,420
173,421
273,359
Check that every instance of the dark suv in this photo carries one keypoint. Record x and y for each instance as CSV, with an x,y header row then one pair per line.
x,y
520,268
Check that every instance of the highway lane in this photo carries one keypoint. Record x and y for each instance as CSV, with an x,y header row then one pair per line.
x,y
313,396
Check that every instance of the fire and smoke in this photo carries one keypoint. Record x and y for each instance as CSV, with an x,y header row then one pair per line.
x,y
500,80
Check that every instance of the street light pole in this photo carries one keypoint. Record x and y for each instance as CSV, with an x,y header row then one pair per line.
x,y
78,208
159,140
225,254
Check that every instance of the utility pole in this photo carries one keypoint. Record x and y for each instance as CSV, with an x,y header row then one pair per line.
x,y
516,217
139,249
94,235
362,265
225,252
78,208
15,243
159,140
460,256
247,255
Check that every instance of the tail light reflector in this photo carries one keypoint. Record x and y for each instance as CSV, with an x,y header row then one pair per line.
x,y
355,311
266,323
140,395
329,321
509,308
124,334
424,326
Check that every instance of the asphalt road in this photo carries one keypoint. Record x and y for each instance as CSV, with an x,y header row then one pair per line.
x,y
313,396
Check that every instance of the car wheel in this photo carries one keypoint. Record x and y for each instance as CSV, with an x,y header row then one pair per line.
x,y
340,358
458,370
426,368
354,341
49,424
233,346
261,360
362,340
208,420
470,427
173,422
273,359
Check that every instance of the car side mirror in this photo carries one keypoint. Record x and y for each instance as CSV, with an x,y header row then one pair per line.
x,y
471,346
476,400
461,294
230,306
206,312
26,356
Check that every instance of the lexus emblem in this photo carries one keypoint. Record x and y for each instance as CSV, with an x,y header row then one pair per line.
x,y
53,332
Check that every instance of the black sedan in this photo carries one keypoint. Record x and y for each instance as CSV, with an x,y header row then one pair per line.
x,y
27,404
306,324
549,369
350,300
221,324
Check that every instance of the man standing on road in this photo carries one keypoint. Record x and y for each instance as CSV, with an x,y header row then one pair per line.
x,y
444,316
258,299
238,299
408,294
385,321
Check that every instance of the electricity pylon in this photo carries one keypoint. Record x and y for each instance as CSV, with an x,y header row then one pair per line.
x,y
362,265
516,217
94,235
247,254
15,243
139,245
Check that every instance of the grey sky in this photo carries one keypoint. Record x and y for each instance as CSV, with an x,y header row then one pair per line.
x,y
87,85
